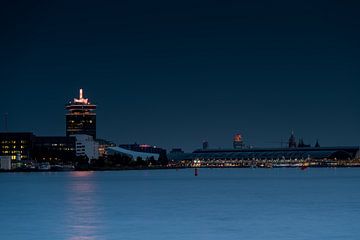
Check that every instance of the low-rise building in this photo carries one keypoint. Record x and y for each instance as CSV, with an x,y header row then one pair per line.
x,y
54,149
25,146
86,146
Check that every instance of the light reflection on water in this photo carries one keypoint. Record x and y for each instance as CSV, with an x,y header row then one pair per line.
x,y
82,213
226,204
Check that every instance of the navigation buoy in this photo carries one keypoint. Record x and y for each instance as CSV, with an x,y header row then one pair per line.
x,y
303,168
196,172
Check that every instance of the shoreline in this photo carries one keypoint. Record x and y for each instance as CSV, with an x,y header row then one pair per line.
x,y
162,168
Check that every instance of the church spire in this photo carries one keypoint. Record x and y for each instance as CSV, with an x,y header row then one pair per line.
x,y
292,140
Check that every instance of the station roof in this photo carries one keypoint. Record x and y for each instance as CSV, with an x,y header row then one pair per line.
x,y
275,153
130,153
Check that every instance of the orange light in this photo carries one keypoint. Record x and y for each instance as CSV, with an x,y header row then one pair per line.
x,y
81,173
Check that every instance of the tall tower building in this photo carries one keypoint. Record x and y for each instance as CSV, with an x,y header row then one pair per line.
x,y
238,142
81,117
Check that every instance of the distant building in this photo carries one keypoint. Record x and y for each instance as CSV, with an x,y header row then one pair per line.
x,y
302,144
135,151
103,145
54,149
132,153
15,144
205,145
238,142
293,152
319,153
175,154
176,151
145,148
86,146
81,117
292,141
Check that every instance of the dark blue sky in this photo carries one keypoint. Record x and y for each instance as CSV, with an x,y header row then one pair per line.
x,y
173,73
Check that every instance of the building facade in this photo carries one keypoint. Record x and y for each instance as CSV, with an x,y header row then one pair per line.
x,y
54,149
20,146
17,145
86,146
81,117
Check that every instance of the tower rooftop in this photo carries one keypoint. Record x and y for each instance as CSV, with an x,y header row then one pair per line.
x,y
81,99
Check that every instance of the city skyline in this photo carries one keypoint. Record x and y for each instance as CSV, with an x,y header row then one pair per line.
x,y
177,74
181,119
283,142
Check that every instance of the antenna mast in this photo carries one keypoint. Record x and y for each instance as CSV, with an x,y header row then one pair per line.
x,y
6,122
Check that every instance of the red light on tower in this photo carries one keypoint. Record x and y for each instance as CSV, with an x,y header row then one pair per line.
x,y
238,138
81,116
238,142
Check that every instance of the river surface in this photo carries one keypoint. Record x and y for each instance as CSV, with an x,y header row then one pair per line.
x,y
219,204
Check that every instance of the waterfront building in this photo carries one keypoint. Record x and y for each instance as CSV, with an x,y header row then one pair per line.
x,y
339,153
272,155
86,146
54,149
25,146
292,153
17,145
81,117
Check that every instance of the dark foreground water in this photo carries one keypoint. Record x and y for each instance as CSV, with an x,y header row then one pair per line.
x,y
168,204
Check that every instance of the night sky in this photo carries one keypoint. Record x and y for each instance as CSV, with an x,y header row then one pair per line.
x,y
174,73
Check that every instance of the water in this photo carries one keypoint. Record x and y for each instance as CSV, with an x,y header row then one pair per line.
x,y
169,204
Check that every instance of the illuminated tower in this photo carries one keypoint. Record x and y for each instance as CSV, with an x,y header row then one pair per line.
x,y
81,117
238,142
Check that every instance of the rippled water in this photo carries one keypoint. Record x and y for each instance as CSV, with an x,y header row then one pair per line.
x,y
168,204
